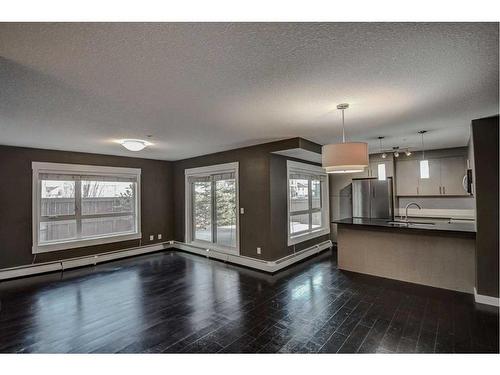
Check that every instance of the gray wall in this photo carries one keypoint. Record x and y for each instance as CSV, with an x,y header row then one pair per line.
x,y
15,202
262,193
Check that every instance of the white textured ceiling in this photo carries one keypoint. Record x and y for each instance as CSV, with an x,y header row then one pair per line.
x,y
206,87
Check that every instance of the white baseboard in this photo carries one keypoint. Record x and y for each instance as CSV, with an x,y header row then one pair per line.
x,y
263,265
486,300
11,273
61,265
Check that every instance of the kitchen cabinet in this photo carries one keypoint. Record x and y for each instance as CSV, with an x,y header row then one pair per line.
x,y
445,177
407,176
372,169
431,185
453,170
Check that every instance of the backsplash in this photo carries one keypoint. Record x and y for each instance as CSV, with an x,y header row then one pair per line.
x,y
449,207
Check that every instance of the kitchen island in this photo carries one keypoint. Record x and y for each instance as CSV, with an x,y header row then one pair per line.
x,y
438,254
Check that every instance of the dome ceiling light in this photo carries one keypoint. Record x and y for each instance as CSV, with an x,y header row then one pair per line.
x,y
345,157
134,144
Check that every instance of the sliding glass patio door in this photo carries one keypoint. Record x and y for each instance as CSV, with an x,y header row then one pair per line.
x,y
213,208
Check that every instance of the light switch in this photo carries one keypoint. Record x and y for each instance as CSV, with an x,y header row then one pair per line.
x,y
151,237
242,210
159,236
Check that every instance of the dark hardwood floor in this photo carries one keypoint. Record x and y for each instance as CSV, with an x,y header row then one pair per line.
x,y
175,302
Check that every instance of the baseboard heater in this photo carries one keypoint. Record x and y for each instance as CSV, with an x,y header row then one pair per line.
x,y
262,265
61,265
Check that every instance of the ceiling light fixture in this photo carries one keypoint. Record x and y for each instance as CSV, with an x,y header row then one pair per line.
x,y
424,163
345,157
384,155
408,152
134,144
396,151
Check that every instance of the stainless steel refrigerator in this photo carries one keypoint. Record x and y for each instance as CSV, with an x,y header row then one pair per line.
x,y
372,198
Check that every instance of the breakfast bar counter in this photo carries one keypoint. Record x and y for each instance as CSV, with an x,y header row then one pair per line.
x,y
438,254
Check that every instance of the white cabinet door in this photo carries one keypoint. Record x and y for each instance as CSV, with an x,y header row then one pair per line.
x,y
431,185
407,176
453,170
374,168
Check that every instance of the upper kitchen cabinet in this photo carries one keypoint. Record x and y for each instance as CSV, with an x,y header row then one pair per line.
x,y
453,171
431,185
407,176
445,177
377,164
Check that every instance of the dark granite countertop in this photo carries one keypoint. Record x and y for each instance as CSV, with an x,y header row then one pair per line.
x,y
466,227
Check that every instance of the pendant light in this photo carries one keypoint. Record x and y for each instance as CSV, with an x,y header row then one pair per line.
x,y
384,155
345,157
424,163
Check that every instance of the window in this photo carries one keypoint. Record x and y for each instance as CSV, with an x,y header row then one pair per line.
x,y
212,207
308,214
81,205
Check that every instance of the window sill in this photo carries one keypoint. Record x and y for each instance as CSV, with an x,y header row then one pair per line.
x,y
307,236
94,241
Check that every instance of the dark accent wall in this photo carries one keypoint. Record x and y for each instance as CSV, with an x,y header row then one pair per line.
x,y
15,201
485,137
262,193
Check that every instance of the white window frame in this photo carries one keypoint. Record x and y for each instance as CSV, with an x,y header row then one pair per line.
x,y
203,172
303,168
72,169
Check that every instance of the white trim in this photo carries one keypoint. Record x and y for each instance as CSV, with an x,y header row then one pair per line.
x,y
207,171
60,265
486,300
308,168
262,265
211,169
294,166
60,168
42,167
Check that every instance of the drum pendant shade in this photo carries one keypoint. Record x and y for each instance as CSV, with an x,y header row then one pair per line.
x,y
345,157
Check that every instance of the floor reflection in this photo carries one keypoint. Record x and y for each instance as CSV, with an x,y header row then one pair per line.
x,y
173,302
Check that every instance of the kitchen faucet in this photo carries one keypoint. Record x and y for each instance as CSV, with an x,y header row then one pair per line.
x,y
407,206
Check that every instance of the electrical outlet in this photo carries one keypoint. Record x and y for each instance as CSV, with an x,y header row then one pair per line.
x,y
151,237
159,236
259,251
